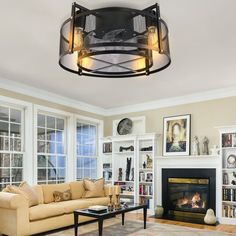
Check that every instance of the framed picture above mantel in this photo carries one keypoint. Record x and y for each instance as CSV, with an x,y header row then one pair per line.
x,y
176,138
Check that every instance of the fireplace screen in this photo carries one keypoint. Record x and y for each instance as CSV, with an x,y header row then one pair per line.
x,y
188,194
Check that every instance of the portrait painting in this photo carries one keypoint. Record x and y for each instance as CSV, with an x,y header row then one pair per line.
x,y
176,140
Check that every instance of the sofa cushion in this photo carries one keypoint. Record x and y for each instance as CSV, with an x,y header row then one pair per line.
x,y
26,191
62,196
43,211
97,201
48,190
38,189
77,189
72,205
94,188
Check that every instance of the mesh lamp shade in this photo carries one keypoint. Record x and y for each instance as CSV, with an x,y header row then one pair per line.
x,y
114,42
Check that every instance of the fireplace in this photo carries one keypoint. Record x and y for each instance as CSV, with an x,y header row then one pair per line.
x,y
188,193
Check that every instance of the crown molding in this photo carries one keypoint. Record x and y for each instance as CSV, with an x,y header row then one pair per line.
x,y
49,96
175,101
161,103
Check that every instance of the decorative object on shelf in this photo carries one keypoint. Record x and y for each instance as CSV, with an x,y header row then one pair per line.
x,y
159,210
149,177
146,149
120,175
205,149
144,165
233,182
176,135
231,161
196,146
114,42
215,150
125,126
226,140
233,140
130,148
149,162
225,178
210,217
107,147
128,168
132,174
106,175
106,165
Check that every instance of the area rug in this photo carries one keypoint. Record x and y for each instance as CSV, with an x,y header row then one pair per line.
x,y
113,227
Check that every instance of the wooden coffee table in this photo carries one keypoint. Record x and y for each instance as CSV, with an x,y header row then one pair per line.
x,y
100,217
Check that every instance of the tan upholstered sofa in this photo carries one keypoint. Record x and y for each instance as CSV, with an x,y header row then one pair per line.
x,y
17,218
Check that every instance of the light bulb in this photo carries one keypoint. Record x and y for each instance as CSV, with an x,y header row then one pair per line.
x,y
78,39
152,37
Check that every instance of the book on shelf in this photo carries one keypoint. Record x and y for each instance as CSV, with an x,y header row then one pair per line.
x,y
229,211
145,177
145,190
226,194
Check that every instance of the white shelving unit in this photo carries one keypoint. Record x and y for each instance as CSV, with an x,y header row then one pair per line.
x,y
142,146
147,149
106,162
228,175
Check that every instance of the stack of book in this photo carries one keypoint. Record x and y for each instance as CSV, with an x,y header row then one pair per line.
x,y
229,211
145,190
226,194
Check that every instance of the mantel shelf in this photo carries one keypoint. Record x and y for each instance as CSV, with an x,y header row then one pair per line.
x,y
187,157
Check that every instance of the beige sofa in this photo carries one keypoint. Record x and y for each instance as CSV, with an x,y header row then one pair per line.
x,y
17,218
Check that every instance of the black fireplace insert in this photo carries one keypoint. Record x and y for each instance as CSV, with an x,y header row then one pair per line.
x,y
188,193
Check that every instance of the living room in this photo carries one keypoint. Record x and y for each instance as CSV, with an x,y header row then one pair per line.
x,y
117,118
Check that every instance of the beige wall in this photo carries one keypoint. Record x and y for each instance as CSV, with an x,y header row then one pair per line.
x,y
41,102
205,116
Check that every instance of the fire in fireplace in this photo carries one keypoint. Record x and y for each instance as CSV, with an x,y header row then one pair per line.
x,y
193,201
188,193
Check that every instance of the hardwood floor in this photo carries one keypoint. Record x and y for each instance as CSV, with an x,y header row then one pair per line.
x,y
221,227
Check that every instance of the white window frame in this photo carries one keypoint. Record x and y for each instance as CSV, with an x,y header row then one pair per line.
x,y
100,133
69,146
27,134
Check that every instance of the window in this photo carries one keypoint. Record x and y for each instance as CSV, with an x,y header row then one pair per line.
x,y
11,146
51,153
86,145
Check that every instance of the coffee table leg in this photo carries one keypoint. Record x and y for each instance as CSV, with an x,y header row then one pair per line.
x,y
123,218
76,222
144,217
100,226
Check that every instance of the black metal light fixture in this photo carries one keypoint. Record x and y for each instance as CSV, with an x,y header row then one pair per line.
x,y
114,42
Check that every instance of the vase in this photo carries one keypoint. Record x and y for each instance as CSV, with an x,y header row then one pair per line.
x,y
159,210
210,218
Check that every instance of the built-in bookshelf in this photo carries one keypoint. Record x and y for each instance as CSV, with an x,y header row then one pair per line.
x,y
147,147
228,181
137,150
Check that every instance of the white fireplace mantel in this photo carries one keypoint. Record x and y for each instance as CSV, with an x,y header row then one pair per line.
x,y
182,162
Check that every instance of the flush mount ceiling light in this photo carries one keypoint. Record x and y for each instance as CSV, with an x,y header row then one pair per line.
x,y
114,42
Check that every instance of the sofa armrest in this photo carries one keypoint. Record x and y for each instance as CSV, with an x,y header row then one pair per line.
x,y
14,214
11,200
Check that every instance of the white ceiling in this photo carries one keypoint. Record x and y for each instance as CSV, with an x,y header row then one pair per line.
x,y
202,44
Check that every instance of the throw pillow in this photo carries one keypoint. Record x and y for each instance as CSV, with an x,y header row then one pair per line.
x,y
94,188
62,196
26,191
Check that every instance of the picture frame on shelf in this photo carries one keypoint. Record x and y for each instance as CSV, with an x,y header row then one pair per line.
x,y
226,140
177,134
107,147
